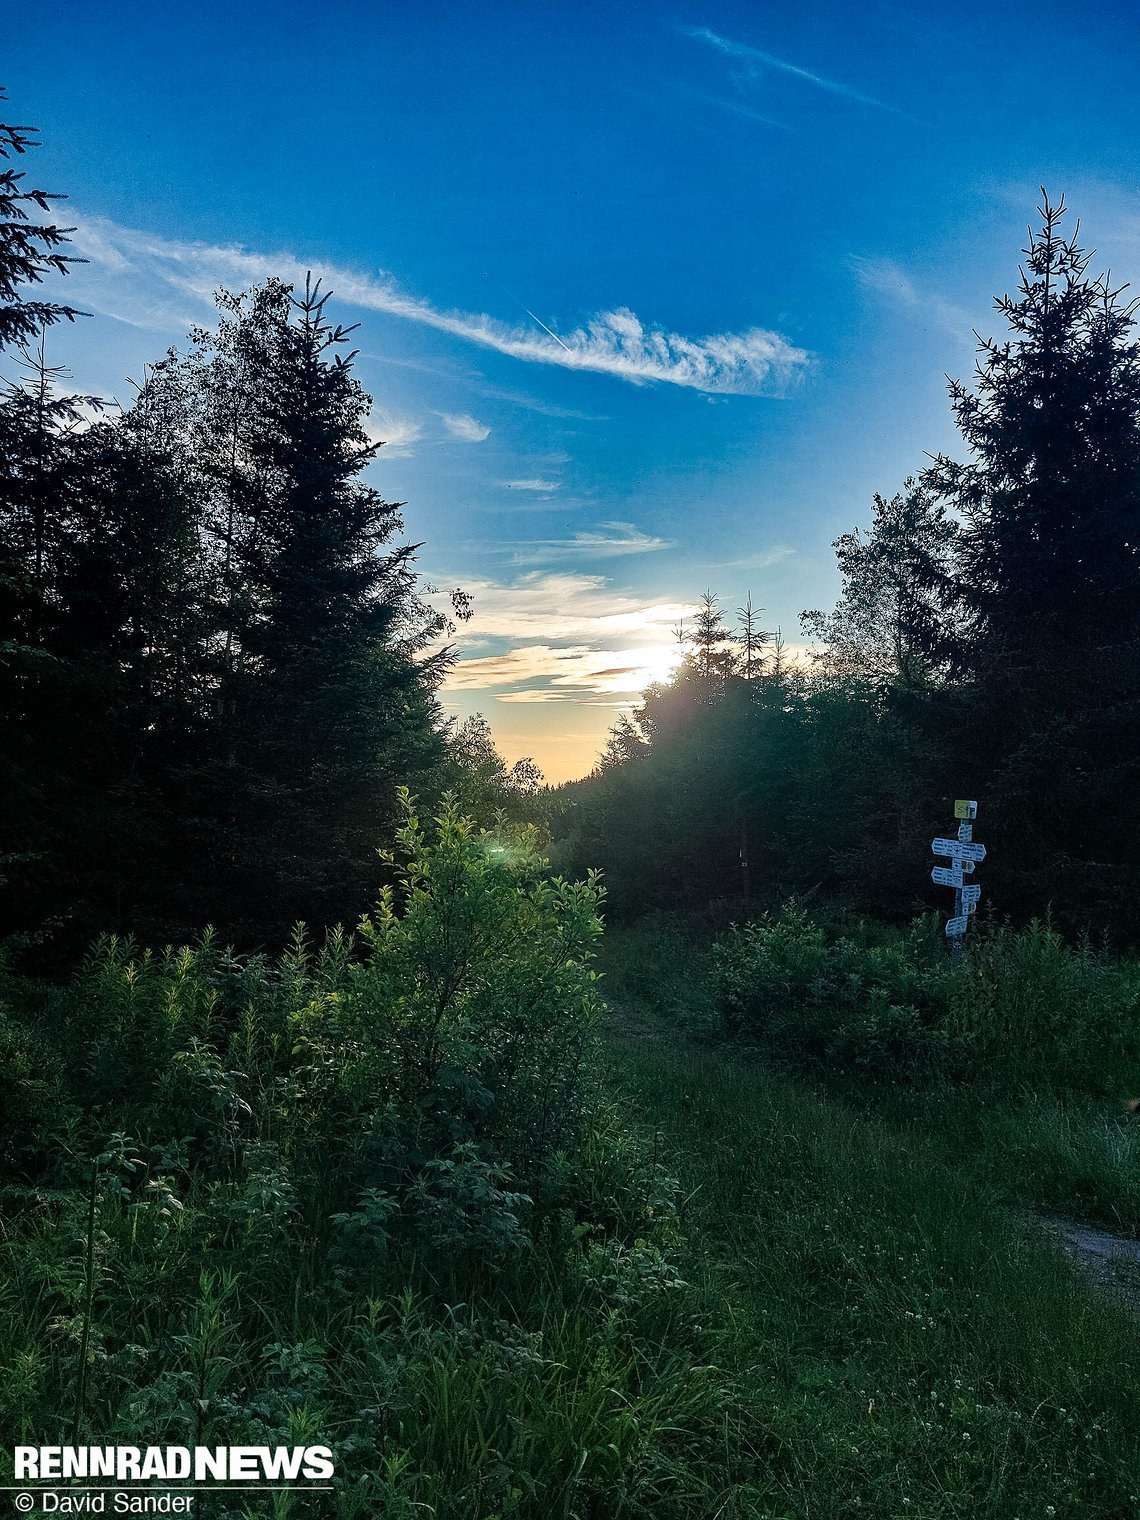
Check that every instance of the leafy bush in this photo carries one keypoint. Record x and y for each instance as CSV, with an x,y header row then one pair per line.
x,y
833,1000
1031,1002
888,1004
34,1111
365,1195
437,1055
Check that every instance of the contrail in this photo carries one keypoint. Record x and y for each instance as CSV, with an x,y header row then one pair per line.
x,y
546,329
768,60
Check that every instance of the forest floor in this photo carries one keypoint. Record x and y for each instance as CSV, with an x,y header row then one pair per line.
x,y
913,1333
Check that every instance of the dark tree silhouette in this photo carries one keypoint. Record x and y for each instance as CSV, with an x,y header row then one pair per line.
x,y
30,247
1050,500
326,658
1049,556
900,617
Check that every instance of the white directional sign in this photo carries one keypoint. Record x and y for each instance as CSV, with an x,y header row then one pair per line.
x,y
962,854
957,850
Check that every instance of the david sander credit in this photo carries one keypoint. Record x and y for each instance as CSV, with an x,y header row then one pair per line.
x,y
53,1502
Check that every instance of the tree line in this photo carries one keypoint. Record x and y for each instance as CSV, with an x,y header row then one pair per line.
x,y
986,643
217,662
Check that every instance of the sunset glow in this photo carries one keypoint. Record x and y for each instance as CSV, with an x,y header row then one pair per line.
x,y
591,421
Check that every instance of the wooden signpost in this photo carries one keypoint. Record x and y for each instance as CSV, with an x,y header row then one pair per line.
x,y
962,854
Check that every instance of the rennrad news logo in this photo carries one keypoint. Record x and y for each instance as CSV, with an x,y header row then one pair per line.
x,y
197,1464
157,1480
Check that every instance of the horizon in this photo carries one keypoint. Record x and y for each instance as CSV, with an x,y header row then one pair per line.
x,y
652,299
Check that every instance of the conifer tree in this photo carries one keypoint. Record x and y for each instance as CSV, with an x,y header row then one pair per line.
x,y
1050,575
326,657
900,618
710,645
1050,499
753,641
36,424
30,247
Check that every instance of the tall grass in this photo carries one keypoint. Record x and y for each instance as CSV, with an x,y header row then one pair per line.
x,y
383,1197
897,1346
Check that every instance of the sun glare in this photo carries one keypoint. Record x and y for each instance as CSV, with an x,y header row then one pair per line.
x,y
656,662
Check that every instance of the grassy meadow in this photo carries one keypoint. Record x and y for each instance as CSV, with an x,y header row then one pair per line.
x,y
517,1241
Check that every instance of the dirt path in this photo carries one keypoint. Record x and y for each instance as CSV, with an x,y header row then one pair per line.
x,y
1110,1262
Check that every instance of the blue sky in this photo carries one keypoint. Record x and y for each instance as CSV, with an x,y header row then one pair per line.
x,y
653,297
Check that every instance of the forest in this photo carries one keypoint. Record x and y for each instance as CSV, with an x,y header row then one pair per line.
x,y
632,1147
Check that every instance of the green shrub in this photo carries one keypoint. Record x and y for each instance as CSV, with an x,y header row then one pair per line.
x,y
1031,1003
437,1055
889,1005
368,1195
34,1111
833,1000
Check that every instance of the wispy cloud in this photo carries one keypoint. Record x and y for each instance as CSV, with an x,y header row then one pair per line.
x,y
574,673
886,278
763,559
617,343
534,483
533,404
734,107
609,541
465,427
397,434
752,55
544,607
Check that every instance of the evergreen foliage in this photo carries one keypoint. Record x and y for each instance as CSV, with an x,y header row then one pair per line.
x,y
322,657
986,643
30,247
218,666
1049,571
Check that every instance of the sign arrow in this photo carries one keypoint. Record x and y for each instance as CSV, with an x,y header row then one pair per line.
x,y
946,876
956,925
957,850
971,894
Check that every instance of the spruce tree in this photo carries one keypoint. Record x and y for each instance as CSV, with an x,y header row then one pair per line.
x,y
37,421
30,246
900,619
753,641
711,646
326,657
1050,499
1049,503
